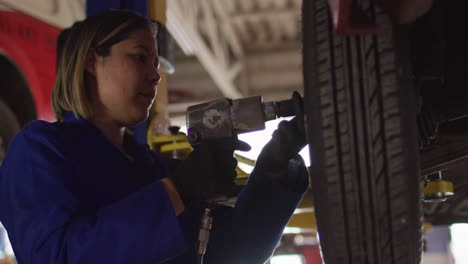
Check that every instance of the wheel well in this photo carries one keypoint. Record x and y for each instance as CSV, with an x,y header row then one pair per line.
x,y
15,92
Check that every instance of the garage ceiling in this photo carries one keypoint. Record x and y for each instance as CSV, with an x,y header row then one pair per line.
x,y
234,48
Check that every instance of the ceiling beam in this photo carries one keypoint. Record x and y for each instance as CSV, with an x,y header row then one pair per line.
x,y
181,28
227,28
267,14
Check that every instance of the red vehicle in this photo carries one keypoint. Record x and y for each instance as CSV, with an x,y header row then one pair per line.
x,y
28,33
386,119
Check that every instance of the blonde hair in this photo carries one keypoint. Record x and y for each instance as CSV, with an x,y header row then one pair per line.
x,y
98,32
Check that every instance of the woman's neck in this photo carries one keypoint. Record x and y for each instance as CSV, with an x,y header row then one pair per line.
x,y
113,132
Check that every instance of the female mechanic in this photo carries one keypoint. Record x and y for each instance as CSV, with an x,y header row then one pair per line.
x,y
81,190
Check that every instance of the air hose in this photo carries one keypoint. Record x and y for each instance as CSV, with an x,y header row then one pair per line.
x,y
204,234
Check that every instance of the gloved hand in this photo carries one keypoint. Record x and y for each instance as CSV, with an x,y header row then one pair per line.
x,y
209,171
279,160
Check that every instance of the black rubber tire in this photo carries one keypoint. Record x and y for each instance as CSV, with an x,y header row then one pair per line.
x,y
361,119
9,126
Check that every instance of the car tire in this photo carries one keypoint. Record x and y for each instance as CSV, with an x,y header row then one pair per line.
x,y
361,111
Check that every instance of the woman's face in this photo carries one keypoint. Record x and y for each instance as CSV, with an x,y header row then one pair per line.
x,y
126,80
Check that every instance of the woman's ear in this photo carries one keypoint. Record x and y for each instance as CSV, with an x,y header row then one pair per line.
x,y
90,62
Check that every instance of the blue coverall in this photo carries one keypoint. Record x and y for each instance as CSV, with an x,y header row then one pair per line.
x,y
68,195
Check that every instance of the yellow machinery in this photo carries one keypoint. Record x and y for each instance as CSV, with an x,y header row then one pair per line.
x,y
434,189
175,146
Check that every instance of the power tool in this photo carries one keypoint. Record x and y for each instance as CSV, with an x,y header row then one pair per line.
x,y
226,118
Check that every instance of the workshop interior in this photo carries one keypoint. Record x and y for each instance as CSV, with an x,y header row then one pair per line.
x,y
376,85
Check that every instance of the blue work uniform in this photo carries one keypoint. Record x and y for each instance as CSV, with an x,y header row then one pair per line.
x,y
68,195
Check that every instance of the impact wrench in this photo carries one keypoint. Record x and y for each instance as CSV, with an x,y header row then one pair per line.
x,y
226,118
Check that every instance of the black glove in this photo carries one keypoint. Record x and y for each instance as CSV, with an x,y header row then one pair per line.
x,y
279,160
209,171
